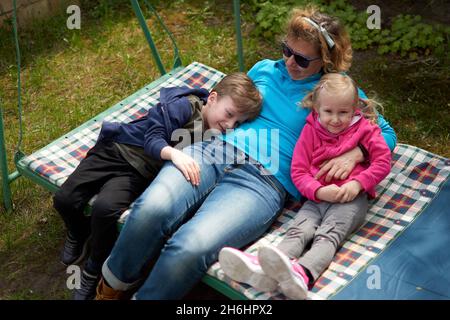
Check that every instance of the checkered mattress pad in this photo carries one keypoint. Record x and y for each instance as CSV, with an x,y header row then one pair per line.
x,y
415,179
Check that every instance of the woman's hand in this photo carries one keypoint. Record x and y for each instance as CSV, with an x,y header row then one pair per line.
x,y
187,165
328,193
340,167
348,191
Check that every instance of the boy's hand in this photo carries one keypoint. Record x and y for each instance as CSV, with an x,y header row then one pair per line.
x,y
328,193
349,191
187,165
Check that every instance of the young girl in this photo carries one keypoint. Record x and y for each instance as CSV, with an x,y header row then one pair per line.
x,y
335,208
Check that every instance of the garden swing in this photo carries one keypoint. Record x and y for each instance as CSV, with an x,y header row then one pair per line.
x,y
414,196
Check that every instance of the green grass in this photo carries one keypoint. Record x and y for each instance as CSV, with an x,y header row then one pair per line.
x,y
69,76
415,98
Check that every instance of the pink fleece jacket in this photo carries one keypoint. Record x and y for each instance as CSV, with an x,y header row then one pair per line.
x,y
316,144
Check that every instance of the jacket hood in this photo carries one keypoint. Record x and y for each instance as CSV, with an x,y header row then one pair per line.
x,y
313,120
169,94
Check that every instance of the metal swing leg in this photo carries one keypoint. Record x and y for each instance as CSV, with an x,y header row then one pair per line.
x,y
6,177
6,190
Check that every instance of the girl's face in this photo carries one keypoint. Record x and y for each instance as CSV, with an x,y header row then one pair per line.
x,y
335,111
307,50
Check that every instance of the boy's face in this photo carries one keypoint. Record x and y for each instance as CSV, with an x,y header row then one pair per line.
x,y
221,113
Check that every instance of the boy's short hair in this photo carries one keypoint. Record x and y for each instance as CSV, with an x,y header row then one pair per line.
x,y
241,89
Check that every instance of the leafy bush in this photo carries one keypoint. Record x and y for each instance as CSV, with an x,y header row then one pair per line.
x,y
404,35
409,35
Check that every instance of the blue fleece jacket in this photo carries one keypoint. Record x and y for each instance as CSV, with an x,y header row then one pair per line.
x,y
282,119
153,132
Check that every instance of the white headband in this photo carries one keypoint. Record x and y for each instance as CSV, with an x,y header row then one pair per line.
x,y
323,31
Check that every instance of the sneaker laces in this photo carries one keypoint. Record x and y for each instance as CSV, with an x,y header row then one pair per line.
x,y
88,282
253,259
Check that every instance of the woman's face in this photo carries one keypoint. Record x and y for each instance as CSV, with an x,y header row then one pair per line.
x,y
307,50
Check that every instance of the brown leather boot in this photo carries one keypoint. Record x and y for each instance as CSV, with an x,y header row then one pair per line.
x,y
104,292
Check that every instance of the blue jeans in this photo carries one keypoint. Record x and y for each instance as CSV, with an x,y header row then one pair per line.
x,y
184,227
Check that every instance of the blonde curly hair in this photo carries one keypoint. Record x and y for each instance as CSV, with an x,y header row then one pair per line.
x,y
339,84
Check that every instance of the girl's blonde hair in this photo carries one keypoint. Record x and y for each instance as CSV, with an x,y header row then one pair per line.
x,y
336,84
336,59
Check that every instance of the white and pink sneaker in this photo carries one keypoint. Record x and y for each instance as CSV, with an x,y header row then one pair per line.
x,y
244,267
291,276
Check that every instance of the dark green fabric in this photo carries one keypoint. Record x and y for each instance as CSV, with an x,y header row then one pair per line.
x,y
416,265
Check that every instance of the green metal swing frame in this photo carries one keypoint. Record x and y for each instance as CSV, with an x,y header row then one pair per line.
x,y
8,178
22,168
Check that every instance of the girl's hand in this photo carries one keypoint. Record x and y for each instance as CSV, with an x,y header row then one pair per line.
x,y
187,165
328,193
348,191
340,167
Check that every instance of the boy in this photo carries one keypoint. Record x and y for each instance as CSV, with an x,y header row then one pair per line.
x,y
127,157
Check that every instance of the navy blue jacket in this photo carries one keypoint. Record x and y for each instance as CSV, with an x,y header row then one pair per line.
x,y
153,131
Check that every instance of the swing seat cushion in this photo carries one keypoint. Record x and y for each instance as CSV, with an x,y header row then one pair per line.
x,y
414,198
414,182
55,162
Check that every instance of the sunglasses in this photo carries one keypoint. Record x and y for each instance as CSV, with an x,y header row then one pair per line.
x,y
301,60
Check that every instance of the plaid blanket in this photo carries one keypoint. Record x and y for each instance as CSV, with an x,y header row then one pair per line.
x,y
414,181
58,160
